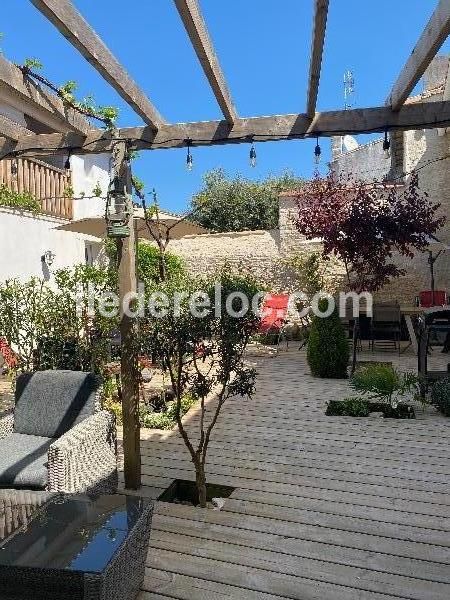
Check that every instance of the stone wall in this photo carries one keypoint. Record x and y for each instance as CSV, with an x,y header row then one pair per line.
x,y
254,250
263,253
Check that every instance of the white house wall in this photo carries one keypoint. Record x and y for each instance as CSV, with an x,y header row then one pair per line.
x,y
87,173
25,237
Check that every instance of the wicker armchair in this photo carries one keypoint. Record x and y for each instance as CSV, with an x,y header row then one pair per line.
x,y
57,439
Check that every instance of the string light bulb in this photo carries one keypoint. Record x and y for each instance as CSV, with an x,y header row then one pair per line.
x,y
189,157
386,145
253,155
317,152
14,168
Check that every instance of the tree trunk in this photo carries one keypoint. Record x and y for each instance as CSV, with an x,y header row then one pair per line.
x,y
355,342
162,261
162,267
200,479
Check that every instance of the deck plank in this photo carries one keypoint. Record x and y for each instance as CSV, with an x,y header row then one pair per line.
x,y
325,508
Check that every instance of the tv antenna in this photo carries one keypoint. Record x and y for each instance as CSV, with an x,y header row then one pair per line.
x,y
349,89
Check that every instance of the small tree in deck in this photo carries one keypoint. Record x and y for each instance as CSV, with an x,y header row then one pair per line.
x,y
365,225
202,354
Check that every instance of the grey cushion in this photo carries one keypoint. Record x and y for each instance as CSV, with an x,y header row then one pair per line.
x,y
49,403
23,461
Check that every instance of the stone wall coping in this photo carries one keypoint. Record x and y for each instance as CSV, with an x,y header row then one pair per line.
x,y
229,234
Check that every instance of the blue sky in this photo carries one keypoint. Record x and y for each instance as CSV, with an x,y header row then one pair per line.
x,y
263,47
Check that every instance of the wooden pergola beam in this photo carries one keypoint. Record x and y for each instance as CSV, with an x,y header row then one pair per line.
x,y
315,66
11,130
432,38
426,115
71,24
31,99
197,31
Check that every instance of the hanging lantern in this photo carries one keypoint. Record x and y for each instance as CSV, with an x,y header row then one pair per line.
x,y
317,152
117,213
14,168
386,145
253,156
189,157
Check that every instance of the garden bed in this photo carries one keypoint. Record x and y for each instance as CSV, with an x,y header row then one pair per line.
x,y
355,407
163,418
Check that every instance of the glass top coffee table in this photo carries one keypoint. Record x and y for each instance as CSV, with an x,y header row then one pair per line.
x,y
55,547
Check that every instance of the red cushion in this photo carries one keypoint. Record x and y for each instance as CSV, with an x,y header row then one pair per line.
x,y
426,298
274,312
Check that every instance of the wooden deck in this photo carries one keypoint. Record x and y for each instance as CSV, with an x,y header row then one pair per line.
x,y
326,508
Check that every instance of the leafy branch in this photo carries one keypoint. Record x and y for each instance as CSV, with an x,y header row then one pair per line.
x,y
87,107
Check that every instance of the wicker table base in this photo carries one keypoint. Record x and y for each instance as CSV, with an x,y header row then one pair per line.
x,y
55,547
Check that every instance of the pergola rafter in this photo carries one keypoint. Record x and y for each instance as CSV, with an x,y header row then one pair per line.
x,y
70,23
190,13
434,35
318,41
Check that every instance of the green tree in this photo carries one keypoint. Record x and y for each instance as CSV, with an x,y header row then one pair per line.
x,y
313,272
239,204
202,354
328,348
149,261
149,258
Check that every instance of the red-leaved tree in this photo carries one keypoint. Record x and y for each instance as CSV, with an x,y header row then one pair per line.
x,y
366,224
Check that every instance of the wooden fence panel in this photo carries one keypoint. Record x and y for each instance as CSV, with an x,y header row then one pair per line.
x,y
46,183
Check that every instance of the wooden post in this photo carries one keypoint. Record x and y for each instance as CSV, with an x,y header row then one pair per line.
x,y
129,355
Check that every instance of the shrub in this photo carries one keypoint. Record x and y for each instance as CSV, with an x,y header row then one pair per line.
x,y
55,352
328,348
314,273
166,419
20,200
440,396
50,326
115,406
149,258
349,407
148,263
359,407
151,420
383,382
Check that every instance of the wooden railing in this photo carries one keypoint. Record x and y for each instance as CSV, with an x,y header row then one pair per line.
x,y
48,184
